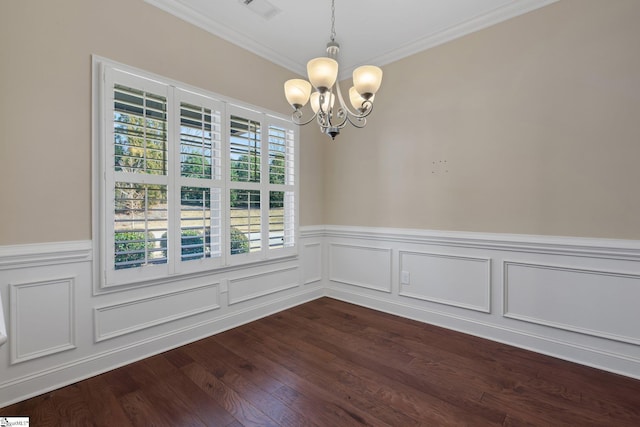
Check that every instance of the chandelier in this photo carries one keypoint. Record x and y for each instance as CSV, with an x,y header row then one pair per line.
x,y
323,75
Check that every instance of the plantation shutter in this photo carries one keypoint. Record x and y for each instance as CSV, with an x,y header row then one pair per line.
x,y
281,186
137,164
200,180
186,182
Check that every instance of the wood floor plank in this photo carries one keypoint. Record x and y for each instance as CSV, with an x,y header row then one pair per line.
x,y
220,362
101,404
386,399
331,363
322,368
240,408
460,352
464,395
291,361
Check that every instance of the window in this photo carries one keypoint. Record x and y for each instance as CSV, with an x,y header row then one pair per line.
x,y
188,181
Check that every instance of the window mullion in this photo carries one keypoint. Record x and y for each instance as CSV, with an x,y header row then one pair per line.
x,y
264,188
173,229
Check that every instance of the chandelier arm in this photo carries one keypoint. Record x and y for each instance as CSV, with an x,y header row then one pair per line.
x,y
296,117
343,116
322,120
331,113
358,122
346,108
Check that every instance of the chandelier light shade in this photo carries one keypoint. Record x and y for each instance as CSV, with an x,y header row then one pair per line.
x,y
367,80
323,75
297,92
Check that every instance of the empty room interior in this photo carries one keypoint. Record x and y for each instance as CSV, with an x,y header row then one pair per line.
x,y
202,224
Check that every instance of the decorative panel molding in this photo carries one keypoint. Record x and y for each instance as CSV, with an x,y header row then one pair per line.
x,y
363,266
33,255
124,318
460,281
312,262
42,318
615,249
264,283
595,302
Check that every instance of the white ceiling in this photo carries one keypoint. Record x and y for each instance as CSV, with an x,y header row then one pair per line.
x,y
369,31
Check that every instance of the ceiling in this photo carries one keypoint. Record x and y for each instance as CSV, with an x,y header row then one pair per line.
x,y
291,32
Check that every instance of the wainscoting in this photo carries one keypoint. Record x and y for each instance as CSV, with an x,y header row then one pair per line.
x,y
60,328
566,297
573,298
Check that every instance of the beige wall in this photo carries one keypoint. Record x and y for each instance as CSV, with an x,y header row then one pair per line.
x,y
538,119
45,87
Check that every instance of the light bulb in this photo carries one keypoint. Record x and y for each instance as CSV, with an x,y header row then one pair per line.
x,y
329,99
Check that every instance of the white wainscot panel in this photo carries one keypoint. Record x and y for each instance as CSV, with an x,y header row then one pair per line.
x,y
312,262
124,318
460,281
364,266
594,302
42,318
258,285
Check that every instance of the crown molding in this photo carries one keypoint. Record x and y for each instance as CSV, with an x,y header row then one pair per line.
x,y
511,10
227,33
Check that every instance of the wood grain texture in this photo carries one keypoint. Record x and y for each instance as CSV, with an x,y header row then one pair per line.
x,y
329,363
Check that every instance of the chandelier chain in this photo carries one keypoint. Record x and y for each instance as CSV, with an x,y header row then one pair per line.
x,y
333,20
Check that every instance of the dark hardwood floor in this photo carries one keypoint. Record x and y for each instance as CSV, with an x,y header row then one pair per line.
x,y
329,363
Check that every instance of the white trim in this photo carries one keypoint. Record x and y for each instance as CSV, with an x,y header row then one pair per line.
x,y
261,275
40,254
319,263
556,245
515,8
17,334
557,325
504,13
97,311
487,261
334,278
227,33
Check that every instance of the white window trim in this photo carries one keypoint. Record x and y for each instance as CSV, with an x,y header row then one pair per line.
x,y
103,182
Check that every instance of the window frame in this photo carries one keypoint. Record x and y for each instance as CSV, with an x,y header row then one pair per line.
x,y
105,74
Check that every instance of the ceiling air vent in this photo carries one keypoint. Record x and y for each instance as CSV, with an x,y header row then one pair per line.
x,y
261,7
